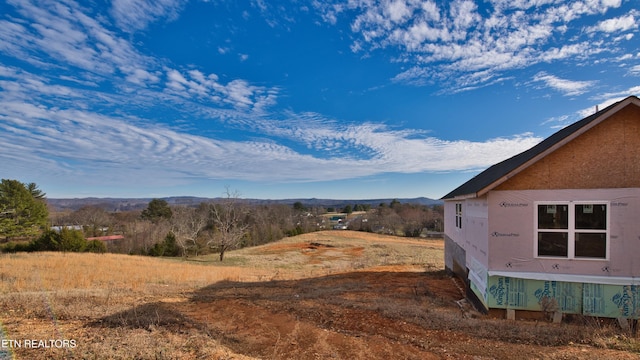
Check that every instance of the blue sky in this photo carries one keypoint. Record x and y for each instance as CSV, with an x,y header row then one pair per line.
x,y
330,99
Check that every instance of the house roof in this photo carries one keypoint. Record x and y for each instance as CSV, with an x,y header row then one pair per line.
x,y
502,171
106,238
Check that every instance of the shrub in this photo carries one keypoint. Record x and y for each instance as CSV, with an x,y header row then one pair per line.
x,y
48,241
13,247
65,240
168,247
296,231
95,246
156,250
72,240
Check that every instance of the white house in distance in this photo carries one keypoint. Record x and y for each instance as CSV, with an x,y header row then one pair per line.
x,y
557,227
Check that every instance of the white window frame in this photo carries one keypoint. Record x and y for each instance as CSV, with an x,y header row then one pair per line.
x,y
458,207
571,229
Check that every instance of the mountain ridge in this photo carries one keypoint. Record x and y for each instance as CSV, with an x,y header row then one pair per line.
x,y
128,204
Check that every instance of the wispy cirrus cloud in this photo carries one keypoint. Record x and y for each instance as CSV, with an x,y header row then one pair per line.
x,y
238,93
94,146
608,98
133,15
467,44
98,112
98,147
567,87
66,34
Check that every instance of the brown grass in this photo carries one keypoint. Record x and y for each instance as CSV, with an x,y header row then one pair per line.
x,y
50,271
340,293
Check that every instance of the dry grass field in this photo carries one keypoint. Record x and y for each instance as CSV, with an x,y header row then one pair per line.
x,y
332,294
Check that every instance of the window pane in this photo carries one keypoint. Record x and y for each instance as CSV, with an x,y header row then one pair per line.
x,y
552,244
553,216
591,216
593,245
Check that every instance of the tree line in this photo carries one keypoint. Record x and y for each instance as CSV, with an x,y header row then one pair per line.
x,y
216,226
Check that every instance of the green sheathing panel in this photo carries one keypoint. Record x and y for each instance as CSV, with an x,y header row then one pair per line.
x,y
611,301
497,288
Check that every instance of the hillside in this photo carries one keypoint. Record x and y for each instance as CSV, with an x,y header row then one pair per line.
x,y
324,295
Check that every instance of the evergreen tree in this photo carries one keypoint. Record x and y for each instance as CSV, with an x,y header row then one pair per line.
x,y
157,210
23,212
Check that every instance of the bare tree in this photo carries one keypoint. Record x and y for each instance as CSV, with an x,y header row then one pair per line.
x,y
146,233
95,220
266,223
414,218
187,224
228,220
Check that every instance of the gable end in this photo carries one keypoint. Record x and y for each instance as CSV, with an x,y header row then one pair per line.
x,y
507,169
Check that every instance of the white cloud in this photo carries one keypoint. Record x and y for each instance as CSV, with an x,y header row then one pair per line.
x,y
79,46
238,93
624,57
568,87
133,15
453,40
72,137
606,99
93,146
65,35
77,142
611,3
397,10
558,122
622,23
464,15
142,77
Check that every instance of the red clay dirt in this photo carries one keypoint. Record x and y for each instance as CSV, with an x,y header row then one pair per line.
x,y
361,315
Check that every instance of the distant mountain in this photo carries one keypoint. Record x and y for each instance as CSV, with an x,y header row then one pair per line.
x,y
337,203
128,204
121,204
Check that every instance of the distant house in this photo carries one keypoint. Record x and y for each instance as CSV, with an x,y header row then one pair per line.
x,y
557,227
58,228
106,238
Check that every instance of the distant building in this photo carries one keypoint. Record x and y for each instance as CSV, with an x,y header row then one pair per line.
x,y
106,238
59,228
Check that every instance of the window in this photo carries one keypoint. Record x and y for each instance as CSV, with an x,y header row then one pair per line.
x,y
459,215
553,226
572,230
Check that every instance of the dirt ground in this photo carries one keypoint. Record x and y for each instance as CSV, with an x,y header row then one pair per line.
x,y
385,311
